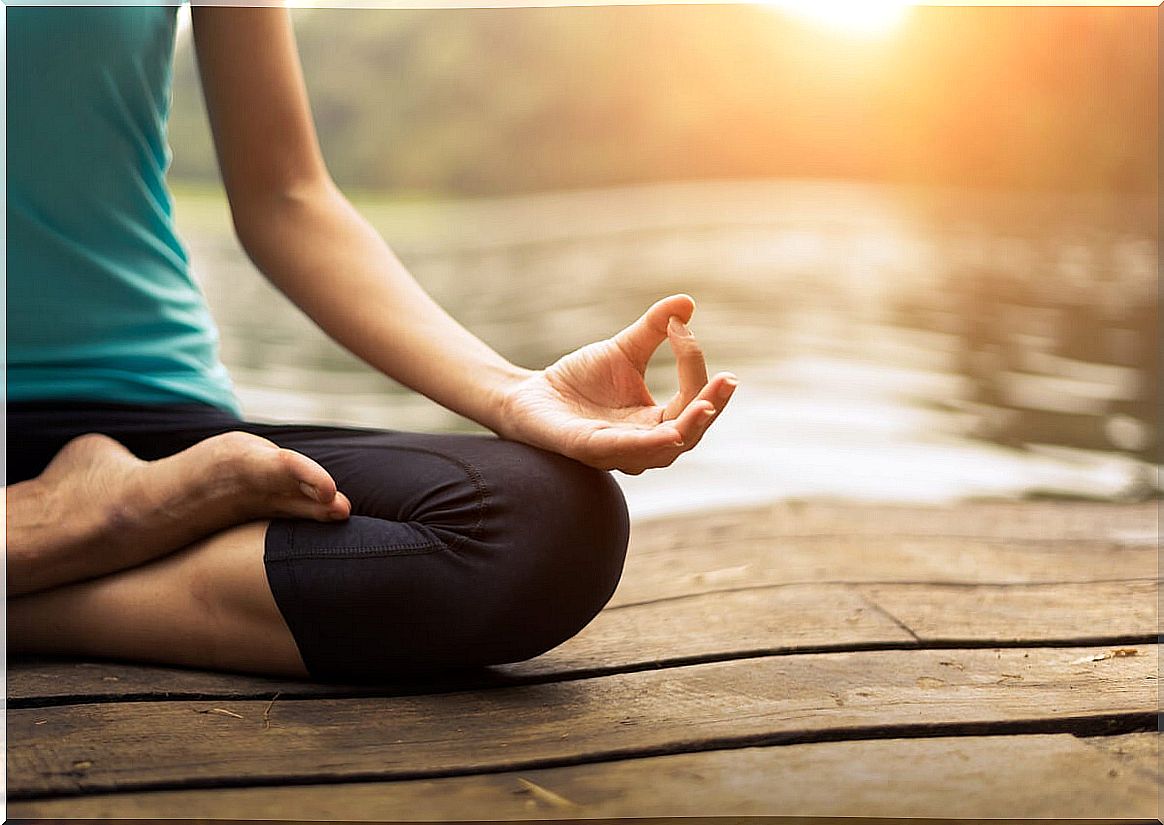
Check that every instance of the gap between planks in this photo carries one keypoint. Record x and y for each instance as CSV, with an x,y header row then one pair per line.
x,y
1081,727
778,621
1046,776
707,707
305,691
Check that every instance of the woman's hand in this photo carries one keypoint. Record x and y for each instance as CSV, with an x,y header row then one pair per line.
x,y
593,404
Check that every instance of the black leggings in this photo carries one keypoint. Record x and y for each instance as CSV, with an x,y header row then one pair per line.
x,y
462,550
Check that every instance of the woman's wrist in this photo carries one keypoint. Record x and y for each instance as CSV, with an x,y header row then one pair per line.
x,y
497,414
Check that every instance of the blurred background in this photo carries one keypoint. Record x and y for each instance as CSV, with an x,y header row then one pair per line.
x,y
924,238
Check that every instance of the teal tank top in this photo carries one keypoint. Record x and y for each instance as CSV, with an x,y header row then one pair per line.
x,y
102,305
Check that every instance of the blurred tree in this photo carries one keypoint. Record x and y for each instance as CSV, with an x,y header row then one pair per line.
x,y
491,101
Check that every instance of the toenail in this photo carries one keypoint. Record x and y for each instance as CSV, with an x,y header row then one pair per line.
x,y
309,491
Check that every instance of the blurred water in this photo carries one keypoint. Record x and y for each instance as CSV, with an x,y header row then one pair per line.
x,y
892,343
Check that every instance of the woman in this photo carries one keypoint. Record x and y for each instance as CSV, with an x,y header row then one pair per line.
x,y
148,520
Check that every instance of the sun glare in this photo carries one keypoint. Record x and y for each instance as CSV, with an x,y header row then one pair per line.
x,y
865,18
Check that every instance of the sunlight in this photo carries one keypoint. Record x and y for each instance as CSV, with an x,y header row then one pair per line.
x,y
183,20
865,18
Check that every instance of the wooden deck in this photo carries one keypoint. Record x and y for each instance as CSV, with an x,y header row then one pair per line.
x,y
987,660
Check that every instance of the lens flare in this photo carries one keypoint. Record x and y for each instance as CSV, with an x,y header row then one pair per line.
x,y
863,18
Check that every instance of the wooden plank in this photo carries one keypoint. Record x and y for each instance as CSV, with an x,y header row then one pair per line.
x,y
1054,777
971,543
37,681
132,746
700,627
707,626
734,562
798,617
1047,521
940,614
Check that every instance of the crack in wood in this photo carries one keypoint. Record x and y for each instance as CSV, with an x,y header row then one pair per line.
x,y
497,681
1092,725
865,597
882,583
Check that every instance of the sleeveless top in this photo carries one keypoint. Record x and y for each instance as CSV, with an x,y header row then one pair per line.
x,y
101,305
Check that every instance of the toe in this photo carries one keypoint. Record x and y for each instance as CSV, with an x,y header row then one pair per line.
x,y
297,506
339,509
312,480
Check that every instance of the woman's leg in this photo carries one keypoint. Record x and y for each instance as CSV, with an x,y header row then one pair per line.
x,y
463,550
205,606
96,508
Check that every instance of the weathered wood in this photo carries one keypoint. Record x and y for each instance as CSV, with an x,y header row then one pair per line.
x,y
1138,751
1049,521
1027,613
688,567
700,627
123,746
37,681
971,543
1055,777
785,578
707,626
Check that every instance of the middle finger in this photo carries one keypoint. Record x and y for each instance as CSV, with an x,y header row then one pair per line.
x,y
703,409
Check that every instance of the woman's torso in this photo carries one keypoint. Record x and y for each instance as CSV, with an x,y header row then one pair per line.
x,y
101,301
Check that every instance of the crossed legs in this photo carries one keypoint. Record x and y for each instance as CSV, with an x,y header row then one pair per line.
x,y
97,509
207,605
461,551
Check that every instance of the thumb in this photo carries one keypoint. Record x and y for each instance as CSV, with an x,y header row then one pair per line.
x,y
640,340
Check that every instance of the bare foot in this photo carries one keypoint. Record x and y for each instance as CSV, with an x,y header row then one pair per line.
x,y
97,508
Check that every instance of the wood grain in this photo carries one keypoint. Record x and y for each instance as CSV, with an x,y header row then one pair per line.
x,y
1138,751
1054,777
1127,524
707,625
1032,613
687,567
106,747
700,627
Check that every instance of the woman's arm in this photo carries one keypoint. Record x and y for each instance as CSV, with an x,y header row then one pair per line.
x,y
592,405
304,235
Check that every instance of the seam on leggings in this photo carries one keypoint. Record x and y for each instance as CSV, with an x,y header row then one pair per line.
x,y
473,474
372,551
306,638
292,553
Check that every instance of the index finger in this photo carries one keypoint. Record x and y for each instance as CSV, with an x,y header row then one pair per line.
x,y
690,363
640,340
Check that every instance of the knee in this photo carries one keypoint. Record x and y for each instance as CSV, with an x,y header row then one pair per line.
x,y
561,538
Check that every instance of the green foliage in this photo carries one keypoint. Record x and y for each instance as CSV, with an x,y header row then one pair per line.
x,y
496,101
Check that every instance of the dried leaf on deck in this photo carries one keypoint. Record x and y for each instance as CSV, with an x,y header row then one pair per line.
x,y
1116,653
220,712
267,712
547,796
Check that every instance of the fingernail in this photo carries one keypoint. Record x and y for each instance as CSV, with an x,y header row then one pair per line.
x,y
709,413
678,443
309,491
678,327
731,380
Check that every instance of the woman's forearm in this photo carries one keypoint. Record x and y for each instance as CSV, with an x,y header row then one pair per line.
x,y
321,253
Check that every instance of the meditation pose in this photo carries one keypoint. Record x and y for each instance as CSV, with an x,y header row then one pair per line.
x,y
148,520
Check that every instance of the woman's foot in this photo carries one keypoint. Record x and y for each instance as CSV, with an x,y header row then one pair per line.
x,y
97,508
